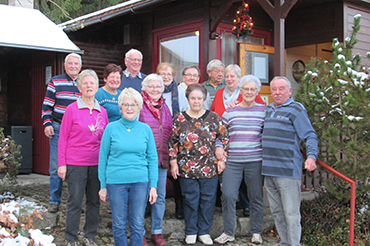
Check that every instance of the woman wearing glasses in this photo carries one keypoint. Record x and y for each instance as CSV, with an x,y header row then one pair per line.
x,y
128,168
231,93
244,124
156,114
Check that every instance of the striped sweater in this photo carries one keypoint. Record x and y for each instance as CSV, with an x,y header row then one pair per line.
x,y
245,126
285,126
61,92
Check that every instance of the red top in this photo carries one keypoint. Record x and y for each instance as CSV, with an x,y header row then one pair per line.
x,y
218,102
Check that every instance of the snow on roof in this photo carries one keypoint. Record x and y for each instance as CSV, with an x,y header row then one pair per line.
x,y
30,29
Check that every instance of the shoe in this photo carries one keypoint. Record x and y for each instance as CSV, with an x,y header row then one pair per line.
x,y
224,238
191,239
256,239
246,212
158,240
68,243
144,242
53,208
206,239
89,242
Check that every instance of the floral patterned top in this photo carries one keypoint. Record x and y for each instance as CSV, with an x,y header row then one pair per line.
x,y
192,143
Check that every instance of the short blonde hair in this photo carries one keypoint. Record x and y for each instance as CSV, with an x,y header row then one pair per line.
x,y
164,65
235,68
85,73
133,95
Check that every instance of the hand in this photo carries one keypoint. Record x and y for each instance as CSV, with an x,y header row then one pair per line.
x,y
103,195
310,164
62,172
49,131
219,152
233,104
152,195
220,166
174,168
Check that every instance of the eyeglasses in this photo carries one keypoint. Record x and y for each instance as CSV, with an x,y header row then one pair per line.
x,y
166,74
248,89
154,87
134,60
191,75
126,105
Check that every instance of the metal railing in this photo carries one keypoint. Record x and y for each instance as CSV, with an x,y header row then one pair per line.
x,y
353,198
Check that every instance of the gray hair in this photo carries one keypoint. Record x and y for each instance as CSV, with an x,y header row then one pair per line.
x,y
133,95
235,68
192,66
250,78
85,73
128,53
282,77
72,55
151,77
214,63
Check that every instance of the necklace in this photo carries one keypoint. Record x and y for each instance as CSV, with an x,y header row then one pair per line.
x,y
129,129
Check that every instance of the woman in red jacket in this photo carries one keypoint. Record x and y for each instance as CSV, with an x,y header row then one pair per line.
x,y
225,96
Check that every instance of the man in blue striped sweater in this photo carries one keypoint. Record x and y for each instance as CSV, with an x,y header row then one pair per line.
x,y
286,124
61,91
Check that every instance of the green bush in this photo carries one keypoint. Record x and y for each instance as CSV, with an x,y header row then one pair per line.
x,y
10,157
325,220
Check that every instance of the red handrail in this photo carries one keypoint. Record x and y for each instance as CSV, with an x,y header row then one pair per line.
x,y
353,198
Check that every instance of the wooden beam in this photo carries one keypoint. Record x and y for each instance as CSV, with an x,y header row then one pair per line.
x,y
286,7
219,14
278,12
268,7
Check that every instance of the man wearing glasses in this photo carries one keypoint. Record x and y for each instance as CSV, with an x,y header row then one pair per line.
x,y
132,77
215,70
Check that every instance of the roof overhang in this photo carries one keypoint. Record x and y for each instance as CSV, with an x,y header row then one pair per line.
x,y
127,7
30,29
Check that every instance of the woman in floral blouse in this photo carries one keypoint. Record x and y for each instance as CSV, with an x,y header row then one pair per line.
x,y
197,161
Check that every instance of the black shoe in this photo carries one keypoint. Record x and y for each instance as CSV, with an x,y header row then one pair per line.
x,y
246,212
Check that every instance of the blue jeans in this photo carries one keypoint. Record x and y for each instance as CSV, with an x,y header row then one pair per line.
x,y
82,180
158,208
128,200
56,183
199,196
284,197
231,179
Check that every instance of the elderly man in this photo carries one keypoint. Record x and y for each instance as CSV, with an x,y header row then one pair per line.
x,y
215,70
61,91
132,77
286,124
191,75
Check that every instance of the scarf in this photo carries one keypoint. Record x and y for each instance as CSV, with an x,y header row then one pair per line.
x,y
174,96
230,98
153,106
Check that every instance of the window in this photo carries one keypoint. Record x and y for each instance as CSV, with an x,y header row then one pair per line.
x,y
179,45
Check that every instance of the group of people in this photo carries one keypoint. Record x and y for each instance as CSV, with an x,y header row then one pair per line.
x,y
118,142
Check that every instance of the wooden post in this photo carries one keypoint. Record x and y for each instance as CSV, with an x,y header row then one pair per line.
x,y
278,13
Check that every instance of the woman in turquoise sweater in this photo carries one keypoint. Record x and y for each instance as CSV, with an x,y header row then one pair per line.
x,y
128,163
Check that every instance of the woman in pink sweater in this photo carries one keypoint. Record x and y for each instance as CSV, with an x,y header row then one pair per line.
x,y
78,153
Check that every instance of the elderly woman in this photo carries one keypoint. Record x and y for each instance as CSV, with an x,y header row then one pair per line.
x,y
231,93
193,160
175,98
156,114
128,168
107,95
176,101
244,124
78,150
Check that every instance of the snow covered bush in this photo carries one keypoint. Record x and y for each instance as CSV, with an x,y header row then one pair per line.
x,y
9,161
336,94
